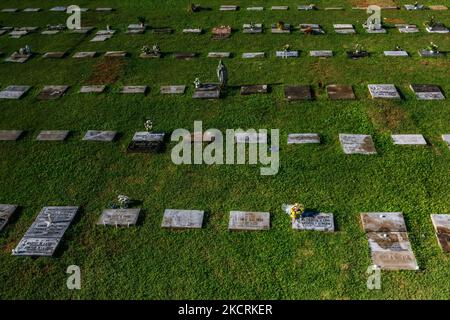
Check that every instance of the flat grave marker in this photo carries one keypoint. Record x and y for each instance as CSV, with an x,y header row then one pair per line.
x,y
446,138
133,89
303,138
10,135
82,30
92,89
31,9
383,91
210,94
96,135
54,55
18,58
306,7
298,93
59,9
228,8
47,230
409,139
193,30
10,10
84,54
241,220
441,223
357,144
407,28
252,28
182,219
146,142
427,92
220,55
52,135
103,9
174,89
14,92
222,32
255,8
284,29
119,217
438,7
279,8
185,55
383,222
314,221
116,54
396,53
6,211
344,28
340,92
52,92
253,89
286,54
430,54
321,53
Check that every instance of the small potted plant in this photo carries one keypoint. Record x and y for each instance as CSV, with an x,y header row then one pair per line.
x,y
123,201
197,83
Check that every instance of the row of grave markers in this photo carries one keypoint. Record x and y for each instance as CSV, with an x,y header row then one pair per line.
x,y
292,93
149,142
54,9
385,231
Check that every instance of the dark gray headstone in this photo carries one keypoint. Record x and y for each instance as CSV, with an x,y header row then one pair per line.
x,y
182,219
441,223
253,89
241,220
52,135
173,89
94,135
119,217
52,92
6,211
146,142
340,92
357,144
10,135
14,92
303,138
295,93
427,92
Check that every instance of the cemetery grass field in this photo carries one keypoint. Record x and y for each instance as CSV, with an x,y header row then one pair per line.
x,y
148,262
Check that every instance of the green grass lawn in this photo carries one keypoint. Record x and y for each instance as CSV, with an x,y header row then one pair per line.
x,y
147,262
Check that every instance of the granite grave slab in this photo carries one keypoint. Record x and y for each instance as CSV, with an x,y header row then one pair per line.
x,y
146,142
119,217
340,92
441,223
241,220
220,55
357,144
6,211
396,53
427,92
92,89
314,221
286,54
180,89
52,135
255,8
228,8
298,93
321,53
85,54
10,135
253,89
52,92
193,30
285,29
279,8
133,89
95,135
383,91
303,138
116,54
210,94
182,219
14,92
54,55
409,139
252,28
185,55
59,9
253,55
18,58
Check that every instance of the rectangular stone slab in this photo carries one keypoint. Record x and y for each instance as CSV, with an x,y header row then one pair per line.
x,y
54,55
279,8
31,9
321,53
10,135
52,135
133,89
52,222
286,54
342,26
14,92
345,31
94,135
6,211
116,54
81,55
92,89
100,38
193,30
119,217
315,222
396,260
50,32
185,55
200,94
228,8
437,7
357,144
409,139
408,30
396,53
255,8
441,223
247,137
52,92
18,58
59,9
383,91
146,142
172,89
340,92
437,30
303,138
446,138
427,92
253,89
241,220
388,241
219,55
383,222
44,247
182,219
253,55
10,10
295,93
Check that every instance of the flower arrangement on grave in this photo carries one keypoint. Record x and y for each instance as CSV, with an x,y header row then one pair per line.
x,y
156,49
280,25
433,48
193,7
197,83
23,51
358,49
398,48
431,23
286,47
252,26
146,50
148,125
142,20
123,201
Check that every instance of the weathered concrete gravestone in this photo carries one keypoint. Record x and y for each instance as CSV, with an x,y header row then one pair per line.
x,y
298,93
44,235
95,135
303,138
409,139
133,90
241,220
92,89
253,55
185,55
396,53
182,219
146,142
119,217
357,144
10,135
321,53
52,135
173,89
340,92
246,137
6,211
81,55
54,55
388,241
253,89
427,92
14,92
219,55
383,91
314,221
441,223
342,28
286,54
52,92
116,54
